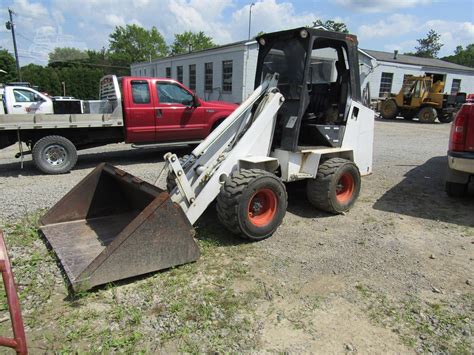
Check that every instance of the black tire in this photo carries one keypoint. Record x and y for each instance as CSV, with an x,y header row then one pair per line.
x,y
216,124
454,189
427,114
242,196
186,162
389,109
54,155
325,192
445,117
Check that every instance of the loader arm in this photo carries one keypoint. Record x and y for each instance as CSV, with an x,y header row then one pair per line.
x,y
247,132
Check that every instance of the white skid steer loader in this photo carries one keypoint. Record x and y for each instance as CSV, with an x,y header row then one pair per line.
x,y
304,121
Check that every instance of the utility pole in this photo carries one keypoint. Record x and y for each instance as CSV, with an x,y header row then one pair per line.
x,y
11,26
250,16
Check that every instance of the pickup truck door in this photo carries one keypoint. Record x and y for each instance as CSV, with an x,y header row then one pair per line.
x,y
24,100
177,118
140,113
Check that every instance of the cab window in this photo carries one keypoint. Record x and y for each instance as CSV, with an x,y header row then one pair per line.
x,y
169,93
140,92
22,95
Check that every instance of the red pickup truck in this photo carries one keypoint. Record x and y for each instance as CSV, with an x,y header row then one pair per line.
x,y
461,152
137,110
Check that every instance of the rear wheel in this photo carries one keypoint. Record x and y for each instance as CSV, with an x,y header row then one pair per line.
x,y
454,189
252,203
427,114
389,109
54,155
336,187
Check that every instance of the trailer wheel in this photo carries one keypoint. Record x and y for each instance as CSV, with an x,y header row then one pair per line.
x,y
252,203
427,114
389,109
186,162
54,155
336,187
445,117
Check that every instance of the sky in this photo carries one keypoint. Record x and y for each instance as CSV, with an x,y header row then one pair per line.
x,y
383,25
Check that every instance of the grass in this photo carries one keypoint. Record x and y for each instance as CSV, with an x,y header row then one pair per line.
x,y
431,327
192,308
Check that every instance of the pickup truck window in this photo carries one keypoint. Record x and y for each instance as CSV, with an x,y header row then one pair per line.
x,y
24,95
171,93
140,92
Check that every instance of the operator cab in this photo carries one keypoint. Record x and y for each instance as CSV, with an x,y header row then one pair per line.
x,y
318,76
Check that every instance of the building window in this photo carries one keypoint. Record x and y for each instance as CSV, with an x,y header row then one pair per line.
x,y
153,72
192,76
208,77
144,70
455,86
227,76
140,92
168,72
179,71
386,84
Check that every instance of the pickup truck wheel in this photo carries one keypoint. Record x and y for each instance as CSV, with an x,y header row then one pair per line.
x,y
454,189
186,162
252,203
336,187
54,155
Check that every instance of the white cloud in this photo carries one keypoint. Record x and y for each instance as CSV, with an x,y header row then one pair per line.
x,y
380,5
394,25
114,20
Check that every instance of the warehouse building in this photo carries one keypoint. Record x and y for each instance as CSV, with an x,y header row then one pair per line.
x,y
227,72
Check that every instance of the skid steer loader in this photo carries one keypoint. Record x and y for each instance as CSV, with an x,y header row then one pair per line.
x,y
304,121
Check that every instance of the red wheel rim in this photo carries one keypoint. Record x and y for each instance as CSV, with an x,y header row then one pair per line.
x,y
262,207
345,188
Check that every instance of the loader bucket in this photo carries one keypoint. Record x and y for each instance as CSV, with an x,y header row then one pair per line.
x,y
112,226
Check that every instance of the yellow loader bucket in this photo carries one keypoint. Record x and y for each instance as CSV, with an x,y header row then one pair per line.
x,y
113,225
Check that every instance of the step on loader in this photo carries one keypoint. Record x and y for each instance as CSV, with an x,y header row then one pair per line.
x,y
304,121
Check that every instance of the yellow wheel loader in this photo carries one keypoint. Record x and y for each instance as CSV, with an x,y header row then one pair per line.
x,y
304,121
420,97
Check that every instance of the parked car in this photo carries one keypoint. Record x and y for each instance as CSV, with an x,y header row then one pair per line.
x,y
138,110
461,152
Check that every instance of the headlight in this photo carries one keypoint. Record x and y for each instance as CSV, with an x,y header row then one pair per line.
x,y
262,41
303,33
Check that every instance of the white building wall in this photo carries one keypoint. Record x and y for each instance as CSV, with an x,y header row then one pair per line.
x,y
400,70
234,53
244,59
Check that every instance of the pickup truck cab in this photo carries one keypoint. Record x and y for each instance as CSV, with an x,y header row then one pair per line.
x,y
461,152
137,110
24,100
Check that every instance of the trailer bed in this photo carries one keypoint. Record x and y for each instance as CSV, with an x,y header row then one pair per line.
x,y
48,121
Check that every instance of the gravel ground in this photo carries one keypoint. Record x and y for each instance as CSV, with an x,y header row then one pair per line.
x,y
392,275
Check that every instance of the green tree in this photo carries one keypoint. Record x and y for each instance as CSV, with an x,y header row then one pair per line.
x,y
132,43
462,56
7,63
331,25
67,54
429,46
189,41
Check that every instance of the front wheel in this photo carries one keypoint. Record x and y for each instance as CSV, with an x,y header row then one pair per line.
x,y
336,187
427,114
54,155
252,203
